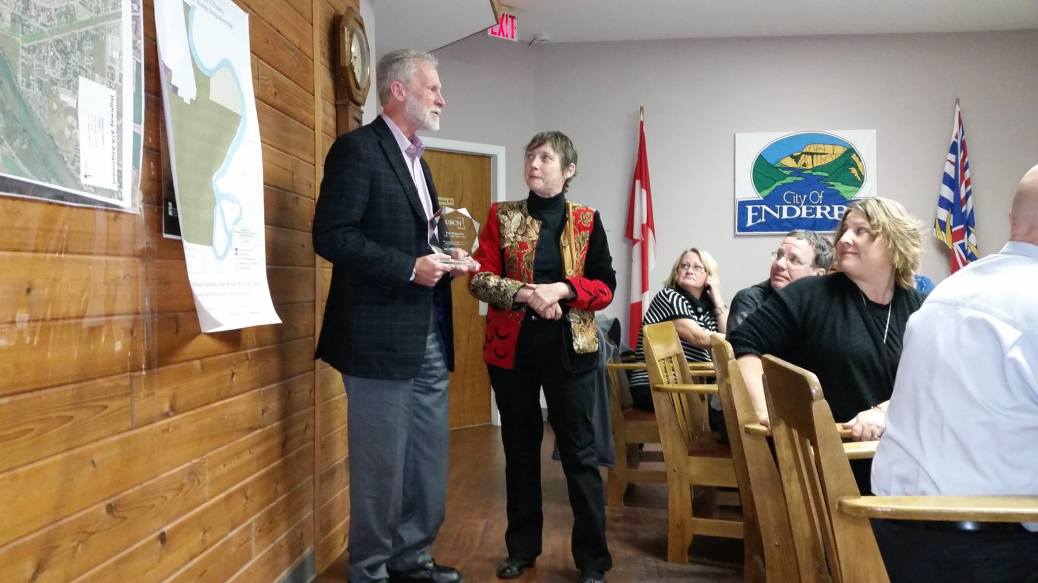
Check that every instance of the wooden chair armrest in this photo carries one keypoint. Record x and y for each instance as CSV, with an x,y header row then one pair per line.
x,y
855,450
687,389
946,508
860,450
626,366
700,366
756,429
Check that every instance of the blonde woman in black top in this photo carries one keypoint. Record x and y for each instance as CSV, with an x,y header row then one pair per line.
x,y
846,327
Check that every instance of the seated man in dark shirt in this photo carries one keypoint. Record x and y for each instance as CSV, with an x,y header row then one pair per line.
x,y
800,254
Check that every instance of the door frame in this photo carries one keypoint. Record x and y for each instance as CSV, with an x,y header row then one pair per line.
x,y
498,163
497,160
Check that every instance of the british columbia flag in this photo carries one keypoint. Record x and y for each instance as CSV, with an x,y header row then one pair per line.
x,y
954,224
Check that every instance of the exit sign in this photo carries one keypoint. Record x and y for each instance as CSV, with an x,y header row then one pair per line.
x,y
505,28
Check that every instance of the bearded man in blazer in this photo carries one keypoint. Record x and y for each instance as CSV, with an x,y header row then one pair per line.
x,y
387,324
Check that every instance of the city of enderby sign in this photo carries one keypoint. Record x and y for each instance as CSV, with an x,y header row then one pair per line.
x,y
800,180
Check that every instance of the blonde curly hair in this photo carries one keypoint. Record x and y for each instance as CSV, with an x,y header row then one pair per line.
x,y
888,220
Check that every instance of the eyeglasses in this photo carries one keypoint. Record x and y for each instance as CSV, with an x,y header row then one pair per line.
x,y
696,269
790,259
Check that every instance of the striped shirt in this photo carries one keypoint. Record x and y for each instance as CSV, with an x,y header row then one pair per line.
x,y
673,304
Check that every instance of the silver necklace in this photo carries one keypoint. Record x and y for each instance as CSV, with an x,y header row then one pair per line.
x,y
886,328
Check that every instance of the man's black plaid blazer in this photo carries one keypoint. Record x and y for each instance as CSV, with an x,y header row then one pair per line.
x,y
371,225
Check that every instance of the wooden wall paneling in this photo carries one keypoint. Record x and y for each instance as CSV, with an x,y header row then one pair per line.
x,y
291,285
139,447
318,528
336,538
179,388
288,173
44,354
304,7
326,144
335,512
289,247
332,446
284,19
67,549
327,122
152,78
44,423
151,178
329,383
152,121
62,287
281,93
50,229
237,461
285,132
67,483
337,473
162,553
287,209
273,563
333,413
278,52
279,517
220,562
338,506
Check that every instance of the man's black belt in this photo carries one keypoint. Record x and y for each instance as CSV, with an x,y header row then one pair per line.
x,y
964,526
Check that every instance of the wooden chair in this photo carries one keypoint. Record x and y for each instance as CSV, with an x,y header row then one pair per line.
x,y
692,455
768,550
829,519
631,429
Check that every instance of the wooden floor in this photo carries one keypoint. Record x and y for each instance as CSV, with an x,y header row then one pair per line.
x,y
472,537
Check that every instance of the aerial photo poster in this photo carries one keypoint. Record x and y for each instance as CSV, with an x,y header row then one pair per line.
x,y
72,101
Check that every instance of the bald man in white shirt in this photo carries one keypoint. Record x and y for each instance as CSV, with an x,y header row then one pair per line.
x,y
963,418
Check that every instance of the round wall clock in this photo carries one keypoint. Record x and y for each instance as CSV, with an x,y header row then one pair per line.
x,y
354,56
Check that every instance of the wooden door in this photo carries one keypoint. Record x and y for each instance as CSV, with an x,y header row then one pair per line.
x,y
464,181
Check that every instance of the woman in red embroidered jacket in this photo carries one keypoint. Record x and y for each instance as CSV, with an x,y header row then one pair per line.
x,y
545,269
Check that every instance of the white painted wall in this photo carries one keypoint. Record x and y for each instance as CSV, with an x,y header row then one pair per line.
x,y
490,99
699,93
367,12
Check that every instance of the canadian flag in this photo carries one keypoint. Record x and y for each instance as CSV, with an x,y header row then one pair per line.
x,y
642,233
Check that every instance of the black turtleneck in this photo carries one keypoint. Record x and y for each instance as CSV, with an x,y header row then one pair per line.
x,y
551,212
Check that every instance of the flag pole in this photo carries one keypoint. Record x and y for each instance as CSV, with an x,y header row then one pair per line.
x,y
641,112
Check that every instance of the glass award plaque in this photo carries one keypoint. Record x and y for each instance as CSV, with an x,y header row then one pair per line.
x,y
460,231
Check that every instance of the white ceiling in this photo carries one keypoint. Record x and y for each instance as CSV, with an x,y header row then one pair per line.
x,y
430,24
613,20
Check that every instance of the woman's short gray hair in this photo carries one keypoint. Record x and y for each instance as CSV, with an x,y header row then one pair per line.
x,y
399,66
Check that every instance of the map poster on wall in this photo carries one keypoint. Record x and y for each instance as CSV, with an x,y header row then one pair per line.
x,y
72,101
215,158
800,180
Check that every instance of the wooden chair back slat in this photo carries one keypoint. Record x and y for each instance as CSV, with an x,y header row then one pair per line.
x,y
665,360
769,553
816,474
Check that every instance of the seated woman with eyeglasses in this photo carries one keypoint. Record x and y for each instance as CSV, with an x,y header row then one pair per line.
x,y
691,298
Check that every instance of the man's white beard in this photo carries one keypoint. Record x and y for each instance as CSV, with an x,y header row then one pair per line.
x,y
425,118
